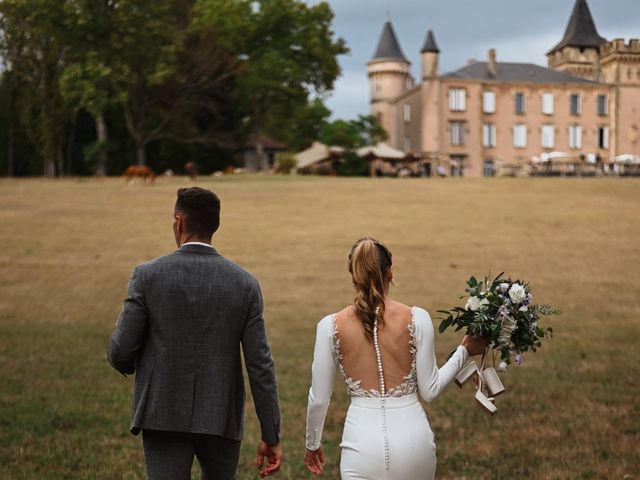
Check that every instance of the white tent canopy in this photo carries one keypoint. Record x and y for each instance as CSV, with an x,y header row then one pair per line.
x,y
315,153
381,150
546,157
627,158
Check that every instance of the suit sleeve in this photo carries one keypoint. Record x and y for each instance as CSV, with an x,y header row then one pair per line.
x,y
323,376
431,379
261,370
131,328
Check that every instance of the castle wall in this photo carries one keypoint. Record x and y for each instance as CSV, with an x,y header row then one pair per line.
x,y
408,132
388,80
505,117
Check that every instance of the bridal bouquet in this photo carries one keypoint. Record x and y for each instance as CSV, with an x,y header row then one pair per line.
x,y
502,311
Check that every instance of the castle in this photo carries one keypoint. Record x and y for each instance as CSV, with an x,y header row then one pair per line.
x,y
490,114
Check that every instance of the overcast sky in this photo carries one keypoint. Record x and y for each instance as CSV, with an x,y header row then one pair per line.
x,y
520,31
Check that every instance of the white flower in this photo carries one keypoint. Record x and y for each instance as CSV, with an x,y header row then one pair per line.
x,y
517,293
523,308
502,368
474,303
504,287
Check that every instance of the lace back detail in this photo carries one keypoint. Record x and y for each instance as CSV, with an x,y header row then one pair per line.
x,y
354,388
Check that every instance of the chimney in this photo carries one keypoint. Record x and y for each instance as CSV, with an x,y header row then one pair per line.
x,y
492,65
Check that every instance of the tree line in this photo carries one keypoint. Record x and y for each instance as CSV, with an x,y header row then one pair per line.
x,y
91,86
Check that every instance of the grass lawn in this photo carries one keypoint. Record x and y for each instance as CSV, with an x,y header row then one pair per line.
x,y
67,248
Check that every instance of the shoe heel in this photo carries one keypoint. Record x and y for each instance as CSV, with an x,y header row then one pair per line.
x,y
492,381
467,372
485,403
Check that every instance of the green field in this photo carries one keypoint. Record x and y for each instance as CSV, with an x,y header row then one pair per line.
x,y
67,248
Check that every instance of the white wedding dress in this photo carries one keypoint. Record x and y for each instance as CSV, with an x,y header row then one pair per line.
x,y
386,435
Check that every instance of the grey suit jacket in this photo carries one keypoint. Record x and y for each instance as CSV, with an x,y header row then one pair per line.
x,y
183,322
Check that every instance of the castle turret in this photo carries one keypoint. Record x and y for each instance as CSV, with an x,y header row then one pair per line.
x,y
578,51
430,55
389,76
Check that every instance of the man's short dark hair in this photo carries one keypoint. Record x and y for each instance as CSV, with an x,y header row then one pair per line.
x,y
201,209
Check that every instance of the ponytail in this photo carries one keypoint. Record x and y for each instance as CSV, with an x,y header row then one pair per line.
x,y
369,264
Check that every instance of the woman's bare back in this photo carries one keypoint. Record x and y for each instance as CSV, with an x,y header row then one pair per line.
x,y
357,353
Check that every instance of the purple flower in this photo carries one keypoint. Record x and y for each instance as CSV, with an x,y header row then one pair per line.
x,y
519,359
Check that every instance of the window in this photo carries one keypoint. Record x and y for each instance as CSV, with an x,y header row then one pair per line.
x,y
520,136
407,113
457,99
407,144
603,137
547,136
489,102
603,107
547,103
408,83
575,136
457,133
457,165
575,104
489,168
488,135
520,107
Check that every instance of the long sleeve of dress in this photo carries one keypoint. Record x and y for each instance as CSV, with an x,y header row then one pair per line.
x,y
323,375
431,379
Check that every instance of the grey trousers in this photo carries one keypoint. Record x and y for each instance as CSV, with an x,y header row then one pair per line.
x,y
169,455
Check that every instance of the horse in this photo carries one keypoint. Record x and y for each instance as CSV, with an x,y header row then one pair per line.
x,y
139,171
192,170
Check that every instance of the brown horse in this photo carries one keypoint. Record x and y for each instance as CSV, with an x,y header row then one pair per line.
x,y
192,170
139,171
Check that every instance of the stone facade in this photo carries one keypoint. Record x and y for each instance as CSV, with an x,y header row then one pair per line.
x,y
490,116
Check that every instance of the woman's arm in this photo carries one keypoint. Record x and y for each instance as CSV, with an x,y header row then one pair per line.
x,y
323,375
431,379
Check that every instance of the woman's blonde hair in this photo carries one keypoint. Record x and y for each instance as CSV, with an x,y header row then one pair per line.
x,y
369,265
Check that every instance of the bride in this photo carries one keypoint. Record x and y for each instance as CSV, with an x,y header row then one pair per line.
x,y
385,352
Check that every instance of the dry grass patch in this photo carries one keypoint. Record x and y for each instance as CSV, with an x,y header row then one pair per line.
x,y
67,248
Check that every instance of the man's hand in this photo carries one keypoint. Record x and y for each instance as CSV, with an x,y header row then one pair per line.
x,y
274,458
314,460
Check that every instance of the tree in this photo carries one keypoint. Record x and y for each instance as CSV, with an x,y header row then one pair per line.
x,y
94,78
352,134
285,53
33,50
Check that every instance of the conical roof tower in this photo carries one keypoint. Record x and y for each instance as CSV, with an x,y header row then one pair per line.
x,y
388,46
581,30
430,44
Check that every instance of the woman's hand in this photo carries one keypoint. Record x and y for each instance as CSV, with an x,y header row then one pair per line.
x,y
475,345
314,460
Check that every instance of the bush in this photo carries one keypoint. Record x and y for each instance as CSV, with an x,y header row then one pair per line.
x,y
286,162
353,166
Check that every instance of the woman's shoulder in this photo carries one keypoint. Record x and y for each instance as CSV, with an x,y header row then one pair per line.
x,y
327,323
421,317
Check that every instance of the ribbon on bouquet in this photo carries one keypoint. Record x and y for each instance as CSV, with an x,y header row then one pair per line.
x,y
487,382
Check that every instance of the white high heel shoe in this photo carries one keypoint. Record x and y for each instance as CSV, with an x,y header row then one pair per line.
x,y
467,372
485,403
492,382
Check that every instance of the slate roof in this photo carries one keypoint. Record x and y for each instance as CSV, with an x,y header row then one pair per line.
x,y
515,73
266,142
430,44
581,30
388,46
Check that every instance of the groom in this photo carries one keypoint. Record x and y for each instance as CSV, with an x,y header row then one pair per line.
x,y
183,322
